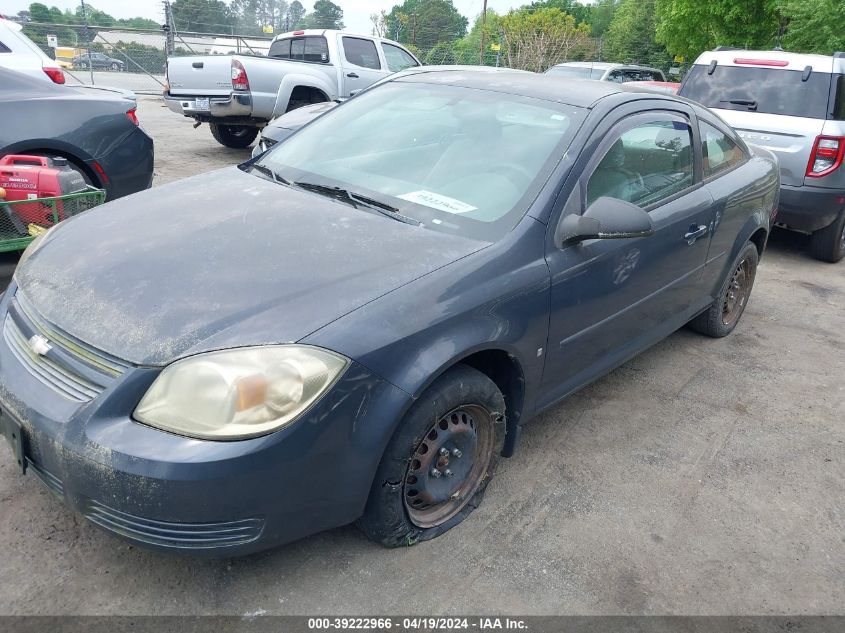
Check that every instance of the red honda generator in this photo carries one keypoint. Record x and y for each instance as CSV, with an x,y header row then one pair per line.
x,y
34,177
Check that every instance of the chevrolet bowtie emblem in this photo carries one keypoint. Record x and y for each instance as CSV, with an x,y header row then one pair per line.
x,y
39,344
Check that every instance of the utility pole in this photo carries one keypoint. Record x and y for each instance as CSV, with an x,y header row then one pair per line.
x,y
414,29
86,33
483,27
169,30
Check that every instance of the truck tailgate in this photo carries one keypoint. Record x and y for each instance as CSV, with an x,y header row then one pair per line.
x,y
207,75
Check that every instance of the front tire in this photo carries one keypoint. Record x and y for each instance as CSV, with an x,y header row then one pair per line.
x,y
237,136
439,461
828,244
723,315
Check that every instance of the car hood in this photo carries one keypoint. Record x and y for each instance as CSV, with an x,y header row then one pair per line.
x,y
221,260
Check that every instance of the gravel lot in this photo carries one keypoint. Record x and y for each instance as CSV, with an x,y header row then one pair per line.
x,y
703,477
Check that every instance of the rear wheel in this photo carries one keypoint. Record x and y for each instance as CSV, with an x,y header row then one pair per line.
x,y
438,462
115,66
237,136
722,316
828,244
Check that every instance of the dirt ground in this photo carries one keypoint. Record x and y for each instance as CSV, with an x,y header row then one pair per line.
x,y
703,477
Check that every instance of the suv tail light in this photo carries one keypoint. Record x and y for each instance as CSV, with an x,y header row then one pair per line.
x,y
239,78
133,116
56,74
826,156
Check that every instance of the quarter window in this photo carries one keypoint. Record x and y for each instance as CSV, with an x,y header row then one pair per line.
x,y
397,58
280,49
646,164
361,52
720,152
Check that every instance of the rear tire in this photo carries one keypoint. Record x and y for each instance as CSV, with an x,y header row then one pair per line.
x,y
439,461
828,244
115,66
724,314
237,136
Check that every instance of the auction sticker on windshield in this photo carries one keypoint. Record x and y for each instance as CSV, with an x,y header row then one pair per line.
x,y
437,201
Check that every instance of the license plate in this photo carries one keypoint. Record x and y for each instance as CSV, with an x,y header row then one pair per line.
x,y
202,104
11,428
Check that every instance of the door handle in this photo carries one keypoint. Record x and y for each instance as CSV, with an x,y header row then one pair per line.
x,y
695,231
352,75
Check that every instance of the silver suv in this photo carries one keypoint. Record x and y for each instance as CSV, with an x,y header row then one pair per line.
x,y
793,105
604,71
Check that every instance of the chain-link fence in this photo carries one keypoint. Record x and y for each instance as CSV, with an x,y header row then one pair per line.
x,y
135,59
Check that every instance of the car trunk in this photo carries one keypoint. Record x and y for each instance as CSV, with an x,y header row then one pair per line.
x,y
208,75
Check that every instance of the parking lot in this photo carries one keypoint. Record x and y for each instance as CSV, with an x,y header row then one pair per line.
x,y
703,477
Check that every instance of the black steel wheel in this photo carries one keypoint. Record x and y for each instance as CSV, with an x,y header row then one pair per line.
x,y
438,463
724,314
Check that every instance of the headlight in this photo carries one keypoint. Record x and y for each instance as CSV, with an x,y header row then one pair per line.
x,y
239,393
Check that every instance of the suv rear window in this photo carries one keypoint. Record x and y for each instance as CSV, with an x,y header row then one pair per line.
x,y
766,90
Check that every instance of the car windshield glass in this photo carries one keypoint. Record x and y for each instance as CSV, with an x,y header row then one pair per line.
x,y
765,90
457,160
576,72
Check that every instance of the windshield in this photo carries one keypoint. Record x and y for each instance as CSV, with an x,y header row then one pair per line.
x,y
576,72
765,90
455,159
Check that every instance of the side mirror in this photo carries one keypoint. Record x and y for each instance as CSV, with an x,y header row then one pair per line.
x,y
605,219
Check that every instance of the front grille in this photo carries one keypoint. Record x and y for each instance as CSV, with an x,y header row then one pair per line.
x,y
171,534
71,368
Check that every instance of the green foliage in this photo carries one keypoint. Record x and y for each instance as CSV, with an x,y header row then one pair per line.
x,y
630,37
688,27
426,23
326,15
601,16
203,16
535,40
442,53
815,26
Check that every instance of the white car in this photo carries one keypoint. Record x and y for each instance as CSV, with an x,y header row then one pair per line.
x,y
19,53
603,71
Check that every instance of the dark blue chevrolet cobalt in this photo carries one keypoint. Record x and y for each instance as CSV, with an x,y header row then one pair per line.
x,y
354,325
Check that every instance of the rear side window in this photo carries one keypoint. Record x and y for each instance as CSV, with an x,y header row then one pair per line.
x,y
4,48
361,52
765,90
280,49
316,50
640,75
837,109
397,58
720,152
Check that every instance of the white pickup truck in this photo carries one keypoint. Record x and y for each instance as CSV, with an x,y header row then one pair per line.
x,y
237,95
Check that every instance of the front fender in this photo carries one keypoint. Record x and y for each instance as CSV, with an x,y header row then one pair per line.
x,y
293,80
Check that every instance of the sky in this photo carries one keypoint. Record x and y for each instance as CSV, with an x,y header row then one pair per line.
x,y
356,13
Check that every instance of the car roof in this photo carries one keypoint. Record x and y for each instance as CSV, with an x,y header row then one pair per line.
x,y
792,61
576,92
602,65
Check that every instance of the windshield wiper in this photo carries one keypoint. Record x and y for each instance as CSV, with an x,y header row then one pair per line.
x,y
356,199
261,169
748,103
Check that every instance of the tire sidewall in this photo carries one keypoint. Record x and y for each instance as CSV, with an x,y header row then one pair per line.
x,y
749,250
385,517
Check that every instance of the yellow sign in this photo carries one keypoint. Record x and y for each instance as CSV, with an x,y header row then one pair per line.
x,y
494,47
679,59
267,28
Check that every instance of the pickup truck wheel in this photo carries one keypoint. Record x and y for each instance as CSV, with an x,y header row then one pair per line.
x,y
828,244
238,136
439,461
722,316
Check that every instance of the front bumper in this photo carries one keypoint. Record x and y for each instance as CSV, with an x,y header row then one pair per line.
x,y
233,105
184,495
809,208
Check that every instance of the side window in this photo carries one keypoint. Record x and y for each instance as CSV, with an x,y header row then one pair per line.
x,y
4,48
361,52
720,152
397,58
280,49
631,75
316,49
616,77
646,164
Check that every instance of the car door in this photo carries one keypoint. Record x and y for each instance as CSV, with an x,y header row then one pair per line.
x,y
611,298
360,64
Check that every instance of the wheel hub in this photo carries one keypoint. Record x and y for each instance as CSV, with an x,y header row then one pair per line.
x,y
447,466
737,293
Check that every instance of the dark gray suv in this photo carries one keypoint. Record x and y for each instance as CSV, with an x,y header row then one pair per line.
x,y
793,105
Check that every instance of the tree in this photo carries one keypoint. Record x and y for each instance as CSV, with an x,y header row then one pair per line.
x,y
426,23
296,13
203,16
326,15
536,40
630,36
380,24
815,26
688,27
601,16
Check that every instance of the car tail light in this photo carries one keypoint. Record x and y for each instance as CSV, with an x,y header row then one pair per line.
x,y
745,61
100,172
133,116
826,156
239,78
56,74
